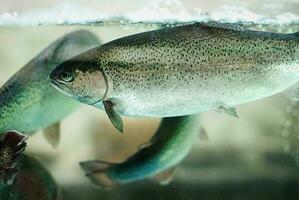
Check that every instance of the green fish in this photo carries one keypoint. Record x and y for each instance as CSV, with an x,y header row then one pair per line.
x,y
181,71
28,101
169,146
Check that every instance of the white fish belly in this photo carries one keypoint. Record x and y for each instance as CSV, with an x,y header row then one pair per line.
x,y
177,98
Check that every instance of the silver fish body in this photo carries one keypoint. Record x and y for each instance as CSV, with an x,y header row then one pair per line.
x,y
27,100
183,70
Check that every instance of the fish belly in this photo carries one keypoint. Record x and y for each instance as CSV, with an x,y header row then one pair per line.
x,y
179,96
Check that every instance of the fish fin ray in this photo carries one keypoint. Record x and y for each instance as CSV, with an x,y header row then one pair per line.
x,y
14,139
52,134
114,117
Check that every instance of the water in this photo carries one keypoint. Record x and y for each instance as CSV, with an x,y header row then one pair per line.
x,y
170,11
254,157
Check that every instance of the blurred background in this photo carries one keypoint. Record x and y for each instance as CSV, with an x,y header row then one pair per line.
x,y
253,157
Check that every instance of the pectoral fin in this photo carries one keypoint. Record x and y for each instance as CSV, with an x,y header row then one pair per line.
x,y
165,177
113,115
227,110
52,134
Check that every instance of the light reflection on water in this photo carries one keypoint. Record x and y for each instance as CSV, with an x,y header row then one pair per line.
x,y
155,11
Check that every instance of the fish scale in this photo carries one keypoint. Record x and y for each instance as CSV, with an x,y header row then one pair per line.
x,y
182,70
206,58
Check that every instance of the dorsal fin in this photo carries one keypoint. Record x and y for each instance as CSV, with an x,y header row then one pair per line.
x,y
231,26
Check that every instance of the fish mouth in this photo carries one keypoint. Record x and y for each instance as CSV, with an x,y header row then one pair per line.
x,y
63,88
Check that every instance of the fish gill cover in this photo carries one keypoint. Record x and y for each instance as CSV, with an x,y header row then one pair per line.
x,y
35,12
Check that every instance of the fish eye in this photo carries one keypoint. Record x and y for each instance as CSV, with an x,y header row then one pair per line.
x,y
67,76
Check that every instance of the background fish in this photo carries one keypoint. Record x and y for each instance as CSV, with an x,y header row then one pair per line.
x,y
170,144
11,153
28,101
180,71
33,182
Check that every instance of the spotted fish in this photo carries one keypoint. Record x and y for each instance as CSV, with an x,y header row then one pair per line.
x,y
33,182
21,176
181,71
12,146
28,101
157,159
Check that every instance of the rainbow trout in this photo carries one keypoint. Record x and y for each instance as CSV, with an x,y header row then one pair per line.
x,y
22,177
169,146
28,101
12,146
181,71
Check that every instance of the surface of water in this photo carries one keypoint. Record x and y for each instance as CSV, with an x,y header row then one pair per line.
x,y
34,12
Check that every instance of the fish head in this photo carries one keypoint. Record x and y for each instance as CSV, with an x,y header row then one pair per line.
x,y
80,80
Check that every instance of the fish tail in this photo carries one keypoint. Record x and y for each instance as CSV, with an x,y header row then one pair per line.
x,y
96,171
11,152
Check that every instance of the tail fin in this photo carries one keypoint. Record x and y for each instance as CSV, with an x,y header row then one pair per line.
x,y
95,170
11,149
